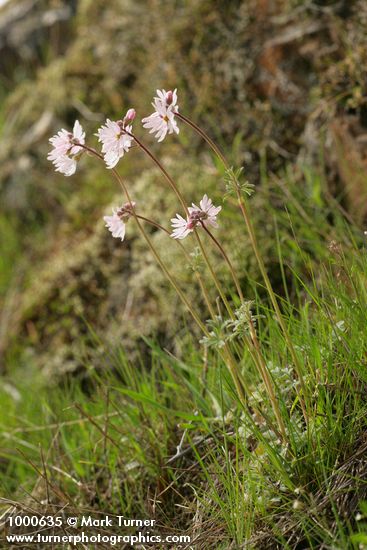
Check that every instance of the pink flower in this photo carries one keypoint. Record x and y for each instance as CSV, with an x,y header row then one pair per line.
x,y
162,121
117,222
115,141
66,151
204,215
130,115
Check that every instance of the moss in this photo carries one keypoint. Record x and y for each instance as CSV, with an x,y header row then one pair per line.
x,y
267,77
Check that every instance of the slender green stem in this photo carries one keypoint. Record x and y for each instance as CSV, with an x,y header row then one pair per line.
x,y
274,300
249,344
176,190
257,356
262,367
227,356
161,264
197,274
232,367
150,245
214,276
258,256
162,169
205,137
227,260
243,389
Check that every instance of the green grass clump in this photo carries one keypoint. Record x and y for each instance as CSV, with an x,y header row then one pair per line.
x,y
168,439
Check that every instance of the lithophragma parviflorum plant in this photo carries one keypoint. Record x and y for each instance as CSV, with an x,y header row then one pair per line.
x,y
228,332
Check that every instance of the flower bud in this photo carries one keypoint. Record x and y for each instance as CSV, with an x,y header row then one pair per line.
x,y
126,211
130,115
169,97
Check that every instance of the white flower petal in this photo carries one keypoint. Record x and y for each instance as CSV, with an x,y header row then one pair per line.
x,y
64,149
115,225
115,142
162,121
180,227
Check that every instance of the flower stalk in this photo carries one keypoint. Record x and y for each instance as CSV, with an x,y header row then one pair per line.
x,y
197,274
227,260
183,203
257,253
117,138
149,243
256,353
227,357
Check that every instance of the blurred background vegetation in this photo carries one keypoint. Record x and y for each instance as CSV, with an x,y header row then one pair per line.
x,y
102,377
280,84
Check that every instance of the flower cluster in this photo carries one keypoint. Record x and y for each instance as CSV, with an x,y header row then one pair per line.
x,y
203,215
117,138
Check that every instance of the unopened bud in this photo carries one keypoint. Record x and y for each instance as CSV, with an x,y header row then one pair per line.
x,y
130,115
169,97
126,211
